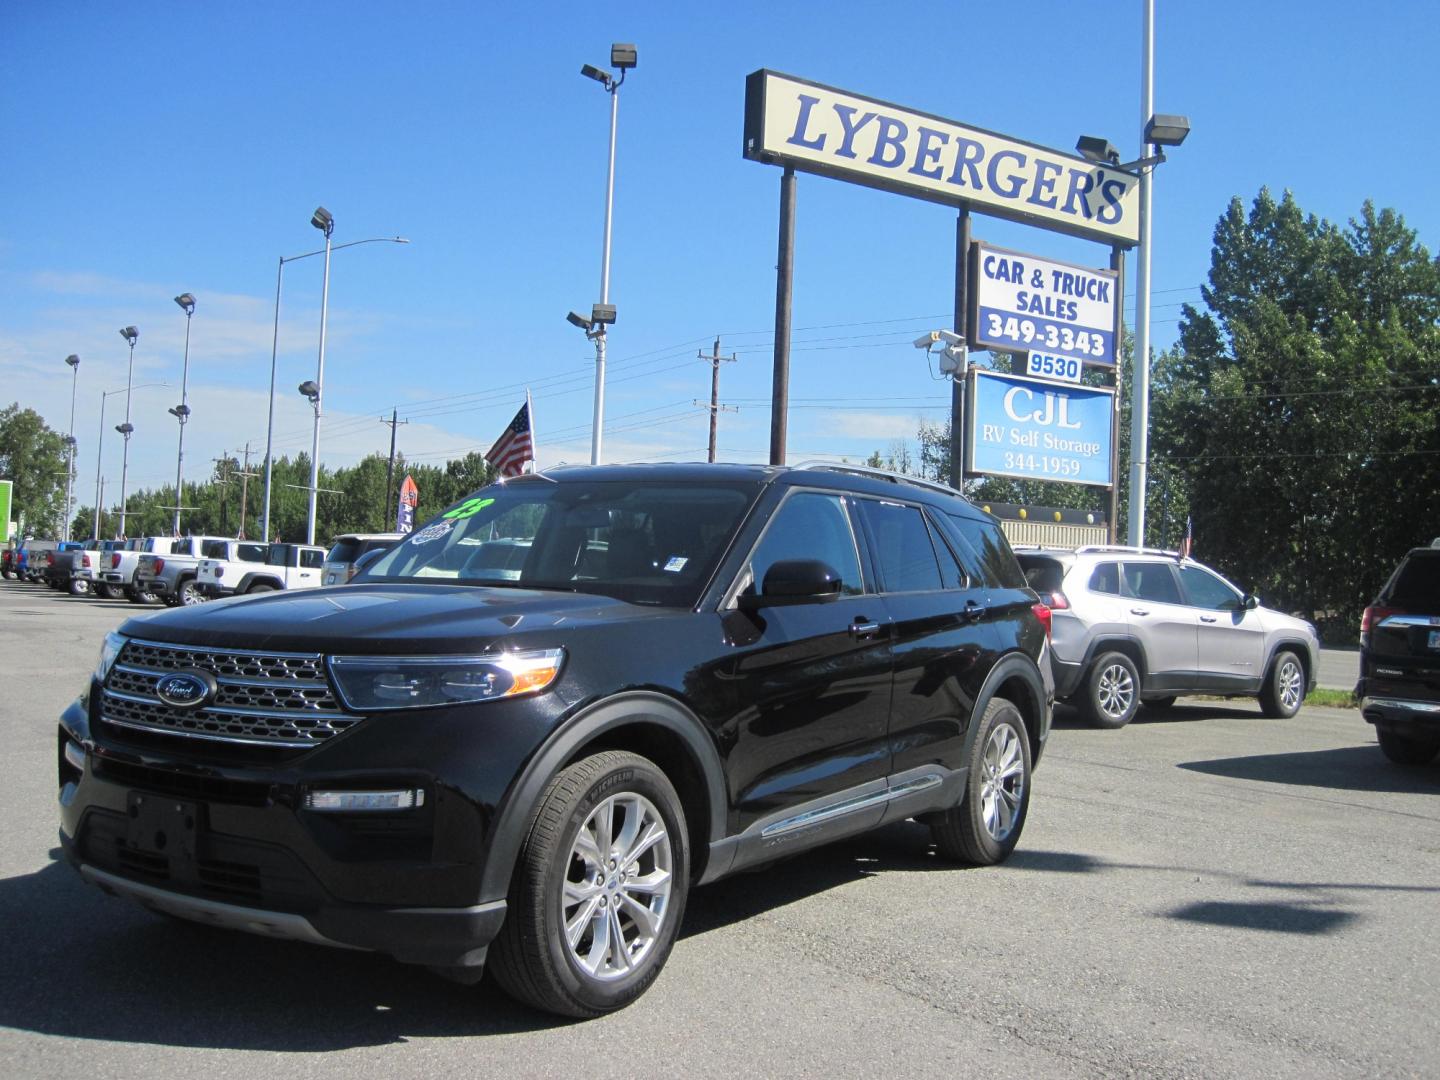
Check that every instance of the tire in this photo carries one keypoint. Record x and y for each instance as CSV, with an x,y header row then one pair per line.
x,y
135,596
1112,690
563,876
985,827
1159,703
259,589
1284,690
79,587
1407,749
188,594
112,592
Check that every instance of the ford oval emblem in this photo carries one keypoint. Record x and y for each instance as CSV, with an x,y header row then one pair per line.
x,y
186,689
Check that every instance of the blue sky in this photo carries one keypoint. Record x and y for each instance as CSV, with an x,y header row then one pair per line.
x,y
152,150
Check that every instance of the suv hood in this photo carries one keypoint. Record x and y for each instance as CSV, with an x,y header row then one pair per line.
x,y
399,619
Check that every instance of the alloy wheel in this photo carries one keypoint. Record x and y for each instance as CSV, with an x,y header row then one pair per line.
x,y
1116,691
1291,685
616,894
1003,782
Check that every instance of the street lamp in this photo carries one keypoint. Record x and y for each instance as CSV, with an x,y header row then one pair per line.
x,y
74,362
274,348
622,57
181,412
130,334
323,221
100,442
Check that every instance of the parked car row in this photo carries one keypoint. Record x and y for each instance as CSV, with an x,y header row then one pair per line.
x,y
186,570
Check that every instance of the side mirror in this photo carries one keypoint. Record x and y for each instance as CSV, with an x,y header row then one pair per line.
x,y
1251,602
795,581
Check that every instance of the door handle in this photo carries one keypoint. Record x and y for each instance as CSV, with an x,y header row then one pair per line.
x,y
862,629
972,613
1207,618
1139,611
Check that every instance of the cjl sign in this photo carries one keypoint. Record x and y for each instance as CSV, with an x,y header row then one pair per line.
x,y
1022,302
1033,430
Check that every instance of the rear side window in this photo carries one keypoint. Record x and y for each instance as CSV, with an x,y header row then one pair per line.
x,y
249,552
903,547
311,559
213,549
1042,574
998,567
1416,583
1151,581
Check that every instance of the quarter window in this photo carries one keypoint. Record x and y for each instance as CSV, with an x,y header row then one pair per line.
x,y
1106,578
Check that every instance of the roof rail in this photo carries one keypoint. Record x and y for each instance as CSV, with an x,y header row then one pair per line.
x,y
878,474
1093,548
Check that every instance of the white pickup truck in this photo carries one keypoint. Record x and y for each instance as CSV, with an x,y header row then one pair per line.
x,y
117,570
171,575
286,566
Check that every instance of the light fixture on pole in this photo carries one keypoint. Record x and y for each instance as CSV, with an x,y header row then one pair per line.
x,y
325,222
623,57
274,350
74,362
130,334
181,412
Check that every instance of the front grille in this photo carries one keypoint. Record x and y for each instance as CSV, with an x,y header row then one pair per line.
x,y
182,785
263,698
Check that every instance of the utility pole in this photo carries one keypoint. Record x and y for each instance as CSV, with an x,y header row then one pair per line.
x,y
715,407
390,469
245,476
222,478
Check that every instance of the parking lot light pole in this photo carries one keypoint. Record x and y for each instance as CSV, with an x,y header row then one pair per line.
x,y
274,349
622,57
74,362
182,411
325,222
130,334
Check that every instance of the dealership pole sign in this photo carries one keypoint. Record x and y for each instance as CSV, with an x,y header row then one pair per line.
x,y
820,129
1026,304
1033,430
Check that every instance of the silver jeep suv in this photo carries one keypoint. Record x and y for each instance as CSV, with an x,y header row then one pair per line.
x,y
1136,626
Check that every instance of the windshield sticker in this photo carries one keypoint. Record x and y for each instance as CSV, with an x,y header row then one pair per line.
x,y
469,508
432,532
676,563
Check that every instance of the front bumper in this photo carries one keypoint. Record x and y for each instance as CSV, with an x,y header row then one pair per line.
x,y
233,844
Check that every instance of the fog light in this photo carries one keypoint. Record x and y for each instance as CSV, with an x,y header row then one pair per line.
x,y
364,801
74,755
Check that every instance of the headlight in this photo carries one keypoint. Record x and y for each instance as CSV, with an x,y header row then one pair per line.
x,y
372,683
109,653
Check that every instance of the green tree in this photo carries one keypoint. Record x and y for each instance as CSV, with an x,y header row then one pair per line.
x,y
35,458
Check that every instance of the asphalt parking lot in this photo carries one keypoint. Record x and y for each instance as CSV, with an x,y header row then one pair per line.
x,y
1203,893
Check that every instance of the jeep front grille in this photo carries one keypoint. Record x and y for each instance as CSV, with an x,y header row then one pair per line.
x,y
263,698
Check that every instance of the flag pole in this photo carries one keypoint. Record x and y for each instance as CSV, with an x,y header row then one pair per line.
x,y
534,443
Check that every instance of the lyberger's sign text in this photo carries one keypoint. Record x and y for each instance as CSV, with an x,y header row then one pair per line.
x,y
835,133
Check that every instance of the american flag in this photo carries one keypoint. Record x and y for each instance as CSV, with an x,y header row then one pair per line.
x,y
513,449
1187,545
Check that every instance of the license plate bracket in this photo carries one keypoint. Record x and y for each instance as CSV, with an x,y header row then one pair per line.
x,y
161,825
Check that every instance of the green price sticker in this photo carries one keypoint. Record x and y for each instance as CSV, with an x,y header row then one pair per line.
x,y
469,508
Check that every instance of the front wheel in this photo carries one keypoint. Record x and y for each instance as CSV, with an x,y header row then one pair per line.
x,y
1112,691
1284,688
599,889
79,587
985,827
1407,749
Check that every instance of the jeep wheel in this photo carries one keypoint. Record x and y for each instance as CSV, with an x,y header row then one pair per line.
x,y
1112,691
599,889
259,589
1406,749
985,827
79,587
1284,687
189,594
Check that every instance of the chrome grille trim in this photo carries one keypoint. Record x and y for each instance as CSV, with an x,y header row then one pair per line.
x,y
264,698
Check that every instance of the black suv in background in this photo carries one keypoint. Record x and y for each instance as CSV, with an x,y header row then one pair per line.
x,y
1399,687
675,672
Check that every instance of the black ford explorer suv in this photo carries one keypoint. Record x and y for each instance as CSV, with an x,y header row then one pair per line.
x,y
695,669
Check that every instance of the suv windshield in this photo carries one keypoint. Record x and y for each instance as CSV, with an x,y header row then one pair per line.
x,y
647,543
